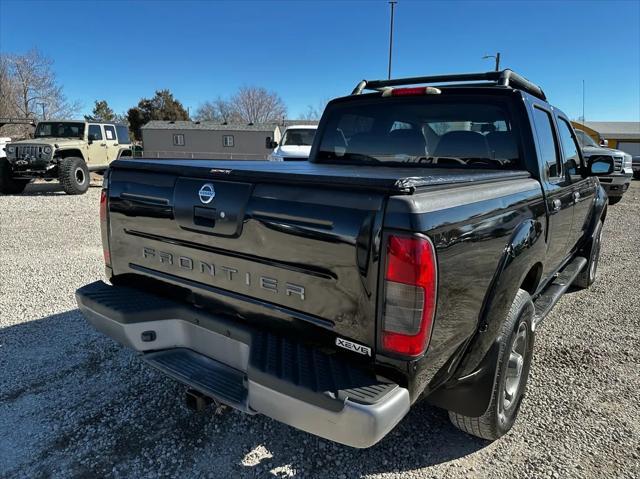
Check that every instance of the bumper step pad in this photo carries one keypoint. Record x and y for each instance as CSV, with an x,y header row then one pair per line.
x,y
127,305
310,374
204,374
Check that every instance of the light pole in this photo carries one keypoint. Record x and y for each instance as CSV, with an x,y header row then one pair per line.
x,y
393,5
497,57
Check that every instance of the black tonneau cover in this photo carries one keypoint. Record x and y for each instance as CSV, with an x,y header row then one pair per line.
x,y
387,179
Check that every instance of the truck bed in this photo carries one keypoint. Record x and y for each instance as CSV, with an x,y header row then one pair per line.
x,y
390,180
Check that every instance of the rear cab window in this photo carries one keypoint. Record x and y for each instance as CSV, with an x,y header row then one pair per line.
x,y
424,131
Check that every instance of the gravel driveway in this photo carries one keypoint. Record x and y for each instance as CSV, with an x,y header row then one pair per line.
x,y
75,404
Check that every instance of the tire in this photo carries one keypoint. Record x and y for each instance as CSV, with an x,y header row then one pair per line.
x,y
74,176
512,371
614,199
636,175
8,184
589,274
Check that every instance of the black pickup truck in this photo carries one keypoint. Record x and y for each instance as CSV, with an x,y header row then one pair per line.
x,y
413,257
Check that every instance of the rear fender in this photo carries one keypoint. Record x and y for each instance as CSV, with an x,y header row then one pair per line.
x,y
469,390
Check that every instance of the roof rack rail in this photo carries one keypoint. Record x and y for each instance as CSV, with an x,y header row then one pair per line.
x,y
505,78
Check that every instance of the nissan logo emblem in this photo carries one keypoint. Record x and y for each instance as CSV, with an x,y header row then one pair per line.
x,y
207,193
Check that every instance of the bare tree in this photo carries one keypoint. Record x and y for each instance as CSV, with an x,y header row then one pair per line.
x,y
206,112
219,110
6,89
36,85
29,88
257,105
226,111
315,112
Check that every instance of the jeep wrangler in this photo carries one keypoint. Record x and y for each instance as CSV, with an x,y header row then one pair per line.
x,y
64,150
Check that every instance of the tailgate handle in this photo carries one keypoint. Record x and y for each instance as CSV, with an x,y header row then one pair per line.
x,y
204,216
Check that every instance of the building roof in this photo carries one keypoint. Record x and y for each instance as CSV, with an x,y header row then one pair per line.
x,y
620,130
206,125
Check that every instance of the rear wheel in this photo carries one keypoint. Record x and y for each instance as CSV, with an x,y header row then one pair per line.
x,y
8,184
74,176
589,274
516,349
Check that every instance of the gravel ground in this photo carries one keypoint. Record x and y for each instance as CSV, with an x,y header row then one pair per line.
x,y
75,404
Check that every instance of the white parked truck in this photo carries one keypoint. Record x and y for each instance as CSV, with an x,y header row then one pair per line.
x,y
295,144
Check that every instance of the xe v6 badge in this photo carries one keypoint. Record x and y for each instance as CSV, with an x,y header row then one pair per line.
x,y
356,348
207,193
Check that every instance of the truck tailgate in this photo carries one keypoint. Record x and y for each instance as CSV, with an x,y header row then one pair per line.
x,y
257,249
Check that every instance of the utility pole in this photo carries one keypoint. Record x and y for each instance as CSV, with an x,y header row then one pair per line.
x,y
583,118
497,57
42,105
393,5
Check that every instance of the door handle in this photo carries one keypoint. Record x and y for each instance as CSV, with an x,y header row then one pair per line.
x,y
103,144
557,204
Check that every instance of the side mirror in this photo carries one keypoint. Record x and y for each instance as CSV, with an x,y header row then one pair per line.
x,y
600,165
270,144
91,138
604,142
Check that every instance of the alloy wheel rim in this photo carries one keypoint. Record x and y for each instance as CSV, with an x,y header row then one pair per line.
x,y
515,368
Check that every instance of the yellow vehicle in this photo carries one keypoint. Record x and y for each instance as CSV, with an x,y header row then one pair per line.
x,y
66,151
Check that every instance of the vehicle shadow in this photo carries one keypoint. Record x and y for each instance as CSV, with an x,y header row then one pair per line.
x,y
52,188
424,438
87,407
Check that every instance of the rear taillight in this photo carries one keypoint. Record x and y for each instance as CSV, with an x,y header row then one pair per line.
x,y
103,205
104,221
409,295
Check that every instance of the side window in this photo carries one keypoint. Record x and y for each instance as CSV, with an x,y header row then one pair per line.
x,y
548,143
95,132
110,132
178,139
123,135
569,148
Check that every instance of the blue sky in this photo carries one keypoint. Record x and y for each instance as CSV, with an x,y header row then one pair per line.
x,y
309,51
